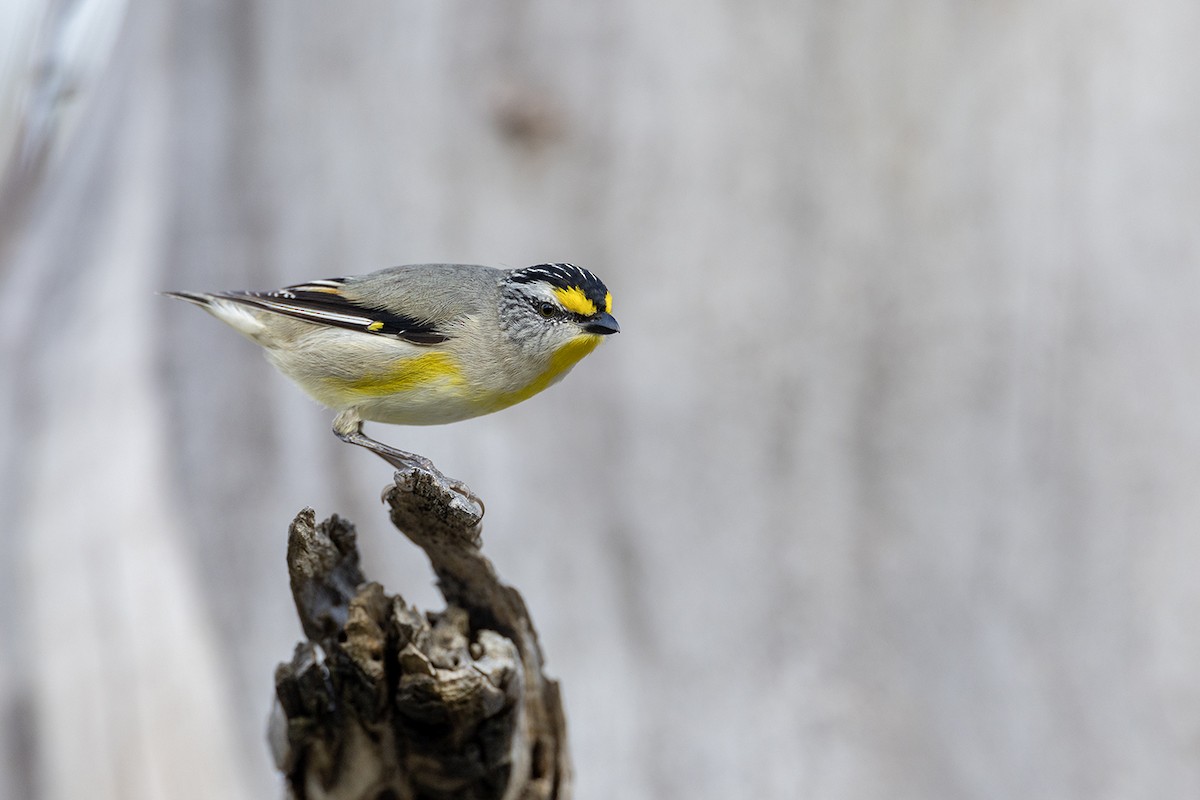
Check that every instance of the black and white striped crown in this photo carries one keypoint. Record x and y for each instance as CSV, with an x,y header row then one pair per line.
x,y
564,276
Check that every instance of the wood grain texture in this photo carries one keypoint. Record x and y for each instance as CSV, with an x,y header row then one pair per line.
x,y
384,701
887,487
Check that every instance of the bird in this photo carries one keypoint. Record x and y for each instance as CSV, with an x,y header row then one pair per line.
x,y
422,344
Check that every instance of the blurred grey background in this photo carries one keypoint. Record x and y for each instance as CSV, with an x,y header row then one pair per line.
x,y
889,488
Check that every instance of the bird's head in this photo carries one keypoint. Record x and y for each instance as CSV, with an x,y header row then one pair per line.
x,y
551,306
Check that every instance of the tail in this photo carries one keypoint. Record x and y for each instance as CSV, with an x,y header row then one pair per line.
x,y
202,300
236,315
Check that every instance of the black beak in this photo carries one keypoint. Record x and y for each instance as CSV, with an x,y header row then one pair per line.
x,y
602,324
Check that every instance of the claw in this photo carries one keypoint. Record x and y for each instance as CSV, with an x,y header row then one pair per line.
x,y
350,430
462,490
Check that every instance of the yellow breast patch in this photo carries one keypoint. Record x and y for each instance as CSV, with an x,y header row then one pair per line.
x,y
566,357
405,376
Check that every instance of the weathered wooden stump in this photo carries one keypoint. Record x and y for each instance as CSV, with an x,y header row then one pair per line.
x,y
384,702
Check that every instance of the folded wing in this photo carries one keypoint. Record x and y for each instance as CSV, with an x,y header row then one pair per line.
x,y
322,302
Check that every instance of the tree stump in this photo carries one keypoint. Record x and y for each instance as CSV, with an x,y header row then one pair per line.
x,y
383,702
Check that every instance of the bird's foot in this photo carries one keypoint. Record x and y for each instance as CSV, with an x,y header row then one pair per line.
x,y
460,490
403,460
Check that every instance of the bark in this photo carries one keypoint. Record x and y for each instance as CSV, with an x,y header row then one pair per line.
x,y
383,701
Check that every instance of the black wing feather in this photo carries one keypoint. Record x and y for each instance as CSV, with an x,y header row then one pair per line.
x,y
321,302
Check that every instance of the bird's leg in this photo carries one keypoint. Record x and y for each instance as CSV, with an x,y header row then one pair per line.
x,y
348,427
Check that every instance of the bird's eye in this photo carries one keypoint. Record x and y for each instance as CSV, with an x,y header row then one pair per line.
x,y
547,310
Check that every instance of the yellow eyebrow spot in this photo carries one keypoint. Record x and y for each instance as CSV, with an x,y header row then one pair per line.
x,y
575,301
404,376
608,302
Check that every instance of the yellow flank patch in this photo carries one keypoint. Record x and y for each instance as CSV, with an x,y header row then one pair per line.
x,y
608,302
566,357
575,301
375,326
405,376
